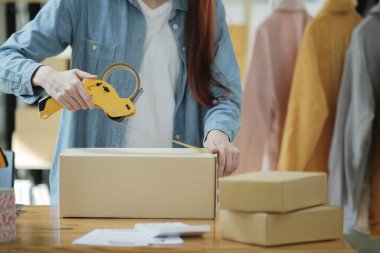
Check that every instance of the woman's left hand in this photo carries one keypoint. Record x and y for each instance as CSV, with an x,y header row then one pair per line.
x,y
218,142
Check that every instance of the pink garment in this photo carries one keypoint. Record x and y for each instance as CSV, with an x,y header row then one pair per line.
x,y
268,85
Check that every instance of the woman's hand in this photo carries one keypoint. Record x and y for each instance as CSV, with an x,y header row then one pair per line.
x,y
217,142
65,87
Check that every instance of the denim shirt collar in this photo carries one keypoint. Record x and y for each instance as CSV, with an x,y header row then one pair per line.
x,y
181,5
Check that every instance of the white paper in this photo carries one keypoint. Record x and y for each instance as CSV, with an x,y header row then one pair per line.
x,y
123,238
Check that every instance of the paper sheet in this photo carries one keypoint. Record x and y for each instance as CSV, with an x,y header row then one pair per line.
x,y
123,238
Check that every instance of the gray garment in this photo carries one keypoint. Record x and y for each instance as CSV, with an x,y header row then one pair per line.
x,y
362,242
351,145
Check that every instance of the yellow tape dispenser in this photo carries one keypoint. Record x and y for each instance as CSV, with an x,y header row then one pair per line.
x,y
103,95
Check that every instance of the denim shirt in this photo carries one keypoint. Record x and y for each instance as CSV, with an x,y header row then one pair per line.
x,y
106,32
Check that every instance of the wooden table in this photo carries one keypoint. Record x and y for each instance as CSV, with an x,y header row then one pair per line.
x,y
39,229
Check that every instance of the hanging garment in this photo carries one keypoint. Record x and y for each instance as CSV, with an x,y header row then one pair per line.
x,y
314,93
3,160
374,178
355,150
268,85
364,6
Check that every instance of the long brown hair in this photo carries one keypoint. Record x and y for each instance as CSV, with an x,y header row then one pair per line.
x,y
201,41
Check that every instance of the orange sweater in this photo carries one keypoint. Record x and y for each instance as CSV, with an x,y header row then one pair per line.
x,y
3,160
315,88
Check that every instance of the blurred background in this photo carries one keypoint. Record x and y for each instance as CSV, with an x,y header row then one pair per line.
x,y
33,140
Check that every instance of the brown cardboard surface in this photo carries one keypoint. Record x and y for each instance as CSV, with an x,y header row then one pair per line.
x,y
137,183
308,225
59,64
272,191
34,139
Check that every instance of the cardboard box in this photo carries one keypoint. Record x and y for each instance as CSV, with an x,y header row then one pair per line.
x,y
59,64
272,191
137,183
34,139
308,225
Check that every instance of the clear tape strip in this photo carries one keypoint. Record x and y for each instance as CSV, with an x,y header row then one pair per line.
x,y
200,150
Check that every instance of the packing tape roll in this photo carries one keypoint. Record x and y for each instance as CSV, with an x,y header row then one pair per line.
x,y
7,233
8,216
7,199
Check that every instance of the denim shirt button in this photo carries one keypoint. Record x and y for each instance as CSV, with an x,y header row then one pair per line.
x,y
177,136
175,26
94,47
183,48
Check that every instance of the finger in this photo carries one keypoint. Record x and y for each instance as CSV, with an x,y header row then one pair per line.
x,y
80,93
74,92
229,160
79,99
66,105
86,98
238,162
82,74
210,146
73,103
69,106
235,159
221,161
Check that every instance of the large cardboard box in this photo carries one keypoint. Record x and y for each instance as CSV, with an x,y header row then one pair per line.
x,y
272,191
314,224
137,183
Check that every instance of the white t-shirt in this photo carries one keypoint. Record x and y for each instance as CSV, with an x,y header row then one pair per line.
x,y
159,75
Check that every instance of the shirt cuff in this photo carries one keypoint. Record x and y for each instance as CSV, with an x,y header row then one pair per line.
x,y
30,93
219,127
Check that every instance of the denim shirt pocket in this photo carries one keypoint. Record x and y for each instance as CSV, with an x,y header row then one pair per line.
x,y
99,55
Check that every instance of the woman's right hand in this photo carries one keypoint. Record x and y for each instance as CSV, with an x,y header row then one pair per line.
x,y
65,87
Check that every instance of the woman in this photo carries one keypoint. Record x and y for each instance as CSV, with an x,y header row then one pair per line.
x,y
181,49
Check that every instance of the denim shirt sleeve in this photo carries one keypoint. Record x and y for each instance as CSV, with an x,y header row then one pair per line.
x,y
47,35
225,116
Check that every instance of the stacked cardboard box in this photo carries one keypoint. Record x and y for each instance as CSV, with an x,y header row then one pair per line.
x,y
137,183
277,208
